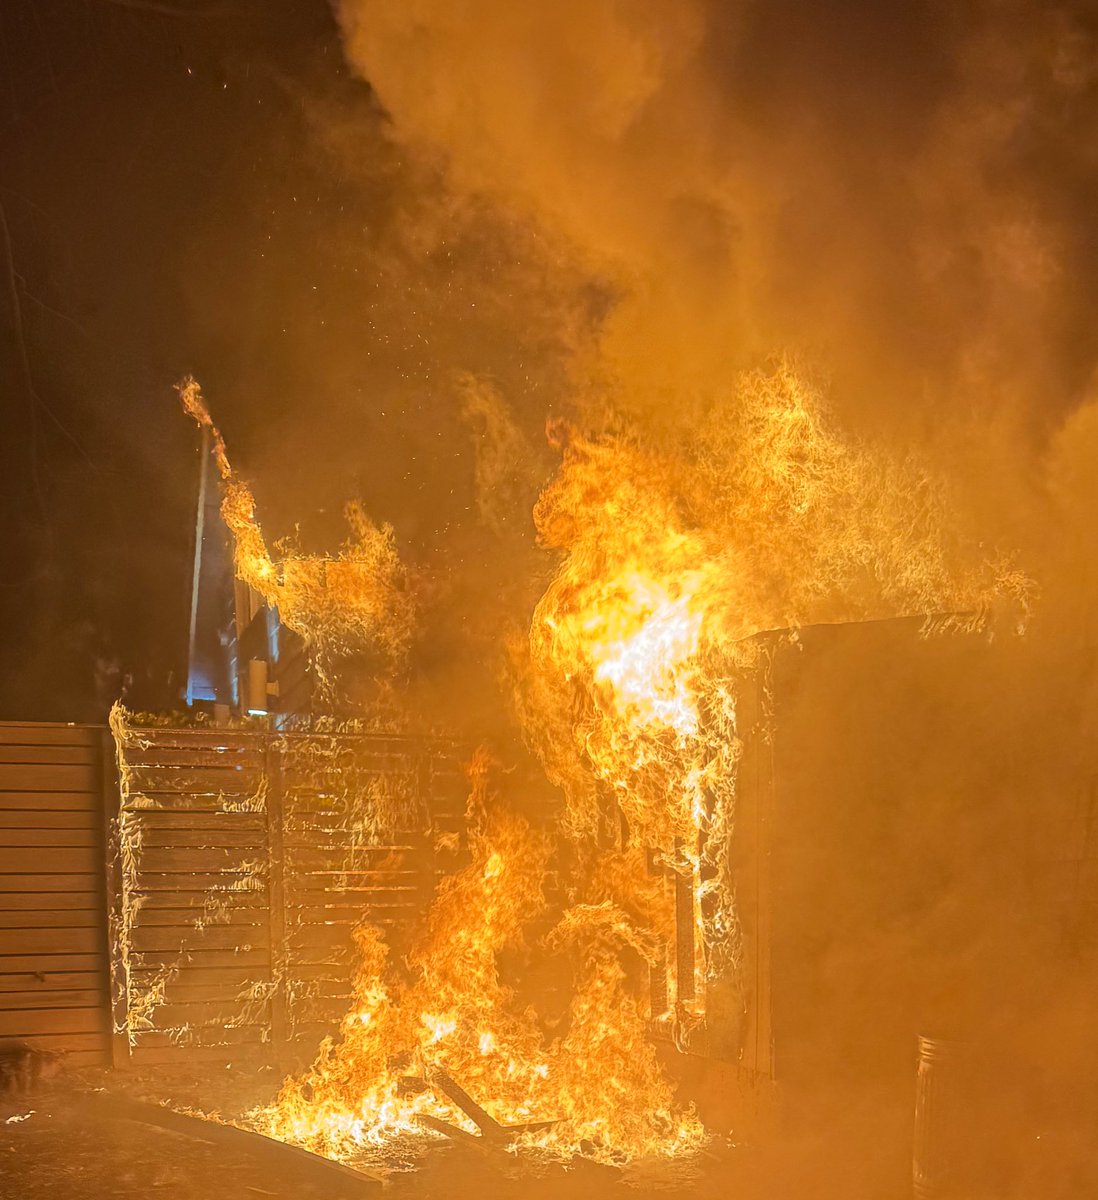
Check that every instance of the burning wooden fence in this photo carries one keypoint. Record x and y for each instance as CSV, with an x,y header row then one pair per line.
x,y
243,860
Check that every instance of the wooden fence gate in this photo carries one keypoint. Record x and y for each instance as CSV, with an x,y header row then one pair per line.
x,y
241,862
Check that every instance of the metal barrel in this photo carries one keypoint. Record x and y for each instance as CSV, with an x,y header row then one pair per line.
x,y
940,1156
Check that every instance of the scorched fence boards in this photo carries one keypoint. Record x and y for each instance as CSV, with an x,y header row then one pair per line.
x,y
243,862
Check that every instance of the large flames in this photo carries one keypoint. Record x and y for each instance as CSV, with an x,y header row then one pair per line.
x,y
597,1090
671,555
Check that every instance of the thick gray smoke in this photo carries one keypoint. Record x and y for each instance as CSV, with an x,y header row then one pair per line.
x,y
900,192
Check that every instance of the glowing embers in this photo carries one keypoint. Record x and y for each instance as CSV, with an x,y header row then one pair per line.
x,y
408,1042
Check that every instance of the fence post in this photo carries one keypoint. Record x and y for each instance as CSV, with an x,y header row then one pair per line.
x,y
118,984
276,896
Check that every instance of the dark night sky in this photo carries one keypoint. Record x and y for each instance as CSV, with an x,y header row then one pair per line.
x,y
208,194
126,135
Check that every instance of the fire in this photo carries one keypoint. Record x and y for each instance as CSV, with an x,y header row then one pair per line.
x,y
597,1090
361,598
671,554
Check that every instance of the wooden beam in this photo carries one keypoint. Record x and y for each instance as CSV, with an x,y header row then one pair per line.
x,y
118,988
276,876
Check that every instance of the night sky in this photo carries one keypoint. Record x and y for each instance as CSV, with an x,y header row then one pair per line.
x,y
178,198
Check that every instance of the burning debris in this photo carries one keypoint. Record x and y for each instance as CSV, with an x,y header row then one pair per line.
x,y
457,1028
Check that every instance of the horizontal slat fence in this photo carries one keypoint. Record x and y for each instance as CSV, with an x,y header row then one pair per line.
x,y
244,861
53,943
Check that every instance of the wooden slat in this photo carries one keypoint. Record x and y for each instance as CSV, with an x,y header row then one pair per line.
x,y
20,1022
190,900
168,820
235,1037
169,1054
31,882
324,889
209,755
47,756
45,983
230,1013
234,915
231,978
51,941
183,991
196,959
349,880
197,735
200,839
202,781
52,998
51,860
11,964
364,858
78,1048
318,937
56,801
48,837
159,860
15,733
185,937
22,777
44,819
216,881
352,913
50,901
44,918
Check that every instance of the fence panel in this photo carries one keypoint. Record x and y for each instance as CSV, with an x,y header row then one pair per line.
x,y
245,861
53,945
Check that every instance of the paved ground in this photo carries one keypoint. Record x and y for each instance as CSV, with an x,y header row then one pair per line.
x,y
69,1140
